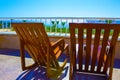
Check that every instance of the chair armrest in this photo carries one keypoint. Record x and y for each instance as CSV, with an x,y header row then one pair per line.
x,y
59,43
59,47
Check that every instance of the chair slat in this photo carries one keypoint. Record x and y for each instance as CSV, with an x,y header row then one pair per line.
x,y
95,49
41,42
88,48
24,37
27,38
80,48
33,35
73,46
103,49
112,43
41,39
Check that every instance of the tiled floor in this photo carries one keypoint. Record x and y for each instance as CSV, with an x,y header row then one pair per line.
x,y
10,68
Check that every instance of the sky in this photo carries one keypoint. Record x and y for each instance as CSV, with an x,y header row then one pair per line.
x,y
60,8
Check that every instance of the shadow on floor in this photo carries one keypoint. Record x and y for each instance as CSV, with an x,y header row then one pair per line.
x,y
39,73
16,52
81,76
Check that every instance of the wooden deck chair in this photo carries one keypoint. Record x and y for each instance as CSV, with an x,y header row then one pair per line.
x,y
93,57
34,39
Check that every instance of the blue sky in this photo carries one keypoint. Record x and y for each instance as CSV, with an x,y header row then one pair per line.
x,y
60,8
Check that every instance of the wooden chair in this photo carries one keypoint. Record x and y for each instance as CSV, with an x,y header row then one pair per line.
x,y
93,57
34,39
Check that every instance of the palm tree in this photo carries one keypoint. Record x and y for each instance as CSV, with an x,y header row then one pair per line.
x,y
53,25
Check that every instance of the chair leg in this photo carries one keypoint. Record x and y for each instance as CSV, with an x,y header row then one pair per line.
x,y
70,74
22,55
67,51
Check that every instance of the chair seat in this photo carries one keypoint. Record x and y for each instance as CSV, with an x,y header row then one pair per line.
x,y
82,76
57,51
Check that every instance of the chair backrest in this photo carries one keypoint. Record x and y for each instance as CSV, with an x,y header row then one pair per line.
x,y
36,42
94,52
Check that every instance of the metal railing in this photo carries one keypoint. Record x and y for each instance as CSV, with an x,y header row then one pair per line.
x,y
58,26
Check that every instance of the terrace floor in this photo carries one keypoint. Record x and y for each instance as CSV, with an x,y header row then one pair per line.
x,y
10,66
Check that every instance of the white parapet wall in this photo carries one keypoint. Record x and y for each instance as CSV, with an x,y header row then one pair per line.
x,y
11,41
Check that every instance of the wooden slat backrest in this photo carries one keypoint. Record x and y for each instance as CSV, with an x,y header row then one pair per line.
x,y
36,41
92,55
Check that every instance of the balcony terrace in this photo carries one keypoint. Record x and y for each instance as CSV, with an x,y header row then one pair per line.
x,y
56,27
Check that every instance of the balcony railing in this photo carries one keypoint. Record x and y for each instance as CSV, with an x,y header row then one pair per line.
x,y
56,26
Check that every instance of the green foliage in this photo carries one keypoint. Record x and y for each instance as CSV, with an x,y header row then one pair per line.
x,y
47,28
24,21
108,21
64,30
63,24
53,29
8,25
12,29
57,22
111,32
53,22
